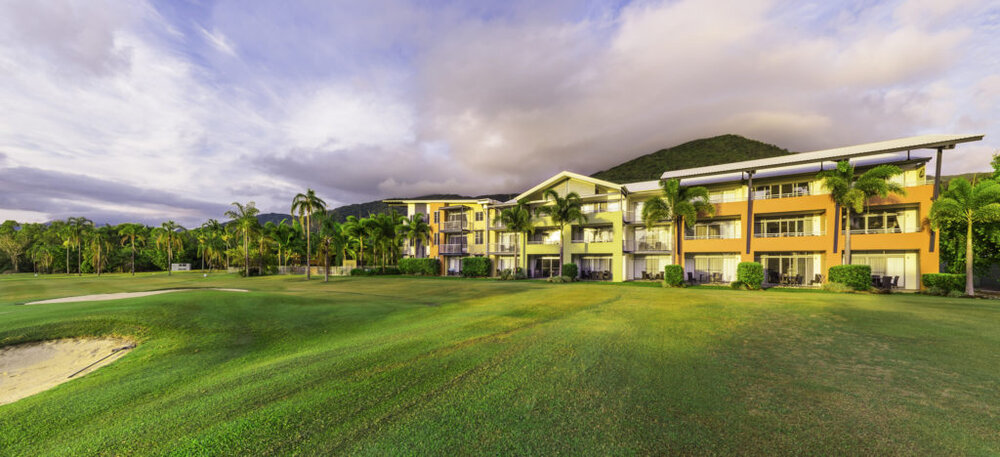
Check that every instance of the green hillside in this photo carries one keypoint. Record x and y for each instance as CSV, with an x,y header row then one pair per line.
x,y
697,153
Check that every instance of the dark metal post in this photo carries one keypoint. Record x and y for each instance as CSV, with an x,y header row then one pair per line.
x,y
749,209
937,191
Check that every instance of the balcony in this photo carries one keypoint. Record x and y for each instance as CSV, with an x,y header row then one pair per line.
x,y
725,198
542,242
633,217
502,249
759,195
878,231
454,226
496,224
453,249
646,246
789,234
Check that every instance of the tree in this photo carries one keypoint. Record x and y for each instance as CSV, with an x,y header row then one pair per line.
x,y
332,239
306,205
852,192
356,230
13,244
244,219
99,247
417,230
131,233
562,211
284,238
78,228
680,205
41,254
517,219
967,204
168,236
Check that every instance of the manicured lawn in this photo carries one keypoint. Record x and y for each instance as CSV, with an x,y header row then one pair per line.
x,y
389,366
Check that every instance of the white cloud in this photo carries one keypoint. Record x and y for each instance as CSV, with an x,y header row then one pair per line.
x,y
219,41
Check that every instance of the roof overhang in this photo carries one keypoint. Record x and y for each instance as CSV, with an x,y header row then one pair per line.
x,y
568,175
831,155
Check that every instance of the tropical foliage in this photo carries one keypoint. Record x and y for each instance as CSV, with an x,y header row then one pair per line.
x,y
851,192
965,204
681,205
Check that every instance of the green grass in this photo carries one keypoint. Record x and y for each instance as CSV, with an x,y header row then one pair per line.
x,y
390,366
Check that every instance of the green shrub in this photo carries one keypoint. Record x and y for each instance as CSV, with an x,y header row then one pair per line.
x,y
475,267
857,277
739,285
944,283
570,270
837,287
956,294
510,274
375,271
673,276
414,266
559,279
751,274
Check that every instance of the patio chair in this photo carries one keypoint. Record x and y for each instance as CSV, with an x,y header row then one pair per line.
x,y
690,277
895,282
607,275
817,280
645,275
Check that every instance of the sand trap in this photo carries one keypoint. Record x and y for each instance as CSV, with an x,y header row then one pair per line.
x,y
121,295
28,369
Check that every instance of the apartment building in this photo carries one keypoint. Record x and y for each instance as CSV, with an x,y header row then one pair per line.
x,y
773,211
458,229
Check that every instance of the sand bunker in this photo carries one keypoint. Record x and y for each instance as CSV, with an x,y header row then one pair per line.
x,y
28,369
121,295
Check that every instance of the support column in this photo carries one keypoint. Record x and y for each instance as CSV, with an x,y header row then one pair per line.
x,y
937,190
749,209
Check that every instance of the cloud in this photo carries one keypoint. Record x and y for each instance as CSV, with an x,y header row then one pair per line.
x,y
219,41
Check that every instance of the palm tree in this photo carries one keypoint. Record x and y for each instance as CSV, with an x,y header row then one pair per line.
x,y
332,239
356,229
679,205
131,233
99,246
517,219
244,218
964,203
284,238
562,211
42,255
852,192
417,230
168,236
78,227
305,205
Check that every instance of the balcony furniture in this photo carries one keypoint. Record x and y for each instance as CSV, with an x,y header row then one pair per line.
x,y
645,275
690,277
895,282
659,276
716,277
607,275
772,277
818,279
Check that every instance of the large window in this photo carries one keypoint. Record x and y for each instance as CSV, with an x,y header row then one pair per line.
x,y
651,239
544,237
878,221
595,267
781,190
542,267
791,268
593,234
767,227
712,230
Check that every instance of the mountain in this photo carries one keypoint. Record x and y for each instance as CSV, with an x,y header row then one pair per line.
x,y
697,153
360,210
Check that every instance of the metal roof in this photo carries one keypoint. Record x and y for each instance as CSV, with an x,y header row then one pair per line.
x,y
566,175
847,152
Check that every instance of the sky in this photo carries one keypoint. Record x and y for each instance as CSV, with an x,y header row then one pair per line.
x,y
147,111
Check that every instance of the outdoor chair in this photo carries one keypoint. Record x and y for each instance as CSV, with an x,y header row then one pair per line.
x,y
817,280
645,275
895,282
690,277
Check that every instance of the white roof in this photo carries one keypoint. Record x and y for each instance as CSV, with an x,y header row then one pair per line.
x,y
847,152
565,175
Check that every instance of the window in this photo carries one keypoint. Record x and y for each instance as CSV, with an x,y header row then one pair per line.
x,y
806,225
878,221
596,207
593,234
782,190
479,216
437,217
479,237
791,268
712,230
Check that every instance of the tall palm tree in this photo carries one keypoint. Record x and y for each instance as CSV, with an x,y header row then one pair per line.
x,y
168,236
852,192
208,241
517,219
284,237
99,247
417,230
79,226
562,211
42,255
680,205
306,205
356,229
131,233
332,238
964,203
244,218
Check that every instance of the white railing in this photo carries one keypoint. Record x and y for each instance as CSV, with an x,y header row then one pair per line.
x,y
725,198
877,231
721,236
453,248
453,225
607,240
543,241
500,248
646,245
769,196
789,234
497,225
633,216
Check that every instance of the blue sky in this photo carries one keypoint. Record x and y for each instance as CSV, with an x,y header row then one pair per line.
x,y
132,110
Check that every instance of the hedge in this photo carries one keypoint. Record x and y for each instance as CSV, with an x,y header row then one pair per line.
x,y
475,267
414,266
750,274
944,282
570,270
673,276
857,277
375,271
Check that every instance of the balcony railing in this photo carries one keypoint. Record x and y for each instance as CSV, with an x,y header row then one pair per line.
x,y
720,236
789,234
543,241
497,225
646,246
453,248
725,198
454,226
500,248
769,196
603,240
633,216
878,231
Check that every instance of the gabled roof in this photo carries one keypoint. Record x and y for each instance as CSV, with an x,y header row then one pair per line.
x,y
847,152
568,175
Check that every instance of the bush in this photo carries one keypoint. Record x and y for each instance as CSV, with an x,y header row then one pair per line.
x,y
559,279
673,276
857,277
837,287
570,270
943,283
414,266
739,285
956,294
751,274
475,267
368,271
509,274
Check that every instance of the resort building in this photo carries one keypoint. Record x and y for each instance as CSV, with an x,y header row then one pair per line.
x,y
773,211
